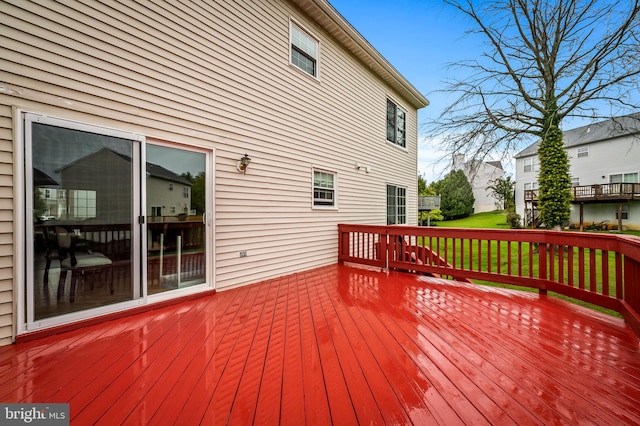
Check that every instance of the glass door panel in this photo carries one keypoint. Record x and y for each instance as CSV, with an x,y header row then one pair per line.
x,y
176,218
82,203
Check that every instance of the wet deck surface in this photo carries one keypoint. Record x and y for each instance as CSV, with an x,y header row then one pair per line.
x,y
340,345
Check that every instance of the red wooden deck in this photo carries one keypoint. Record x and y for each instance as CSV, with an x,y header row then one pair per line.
x,y
340,345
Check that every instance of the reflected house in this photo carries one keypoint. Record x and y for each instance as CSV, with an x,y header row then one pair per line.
x,y
48,196
168,194
90,197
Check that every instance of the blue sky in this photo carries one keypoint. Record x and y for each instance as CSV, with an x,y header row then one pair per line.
x,y
419,38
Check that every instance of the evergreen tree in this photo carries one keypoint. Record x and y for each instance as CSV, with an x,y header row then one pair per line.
x,y
555,184
457,195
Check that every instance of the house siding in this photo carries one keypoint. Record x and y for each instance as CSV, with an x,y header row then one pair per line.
x,y
6,227
215,75
606,157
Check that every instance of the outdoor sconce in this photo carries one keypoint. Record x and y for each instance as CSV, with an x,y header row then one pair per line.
x,y
363,167
243,163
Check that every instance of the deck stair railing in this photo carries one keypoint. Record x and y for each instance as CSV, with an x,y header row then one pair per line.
x,y
601,269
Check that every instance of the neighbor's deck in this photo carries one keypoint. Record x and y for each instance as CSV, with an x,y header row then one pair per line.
x,y
340,345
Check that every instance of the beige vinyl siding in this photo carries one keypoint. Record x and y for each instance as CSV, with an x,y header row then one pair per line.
x,y
217,75
6,226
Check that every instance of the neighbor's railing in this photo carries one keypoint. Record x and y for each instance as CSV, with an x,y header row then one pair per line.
x,y
600,269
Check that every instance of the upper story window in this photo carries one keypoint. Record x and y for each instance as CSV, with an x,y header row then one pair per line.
x,y
575,181
324,189
396,124
185,192
583,151
624,178
530,164
396,205
304,50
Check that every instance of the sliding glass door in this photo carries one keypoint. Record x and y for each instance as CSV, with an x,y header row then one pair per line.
x,y
111,220
176,209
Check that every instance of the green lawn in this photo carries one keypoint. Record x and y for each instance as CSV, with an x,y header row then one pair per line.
x,y
497,220
494,220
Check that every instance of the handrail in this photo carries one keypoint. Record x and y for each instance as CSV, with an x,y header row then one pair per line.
x,y
596,192
601,269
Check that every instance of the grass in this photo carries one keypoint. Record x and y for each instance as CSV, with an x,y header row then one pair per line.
x,y
497,220
494,220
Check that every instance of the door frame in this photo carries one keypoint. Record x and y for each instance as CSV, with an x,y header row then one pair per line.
x,y
23,253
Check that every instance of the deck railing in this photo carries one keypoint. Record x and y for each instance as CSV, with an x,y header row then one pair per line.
x,y
596,192
600,269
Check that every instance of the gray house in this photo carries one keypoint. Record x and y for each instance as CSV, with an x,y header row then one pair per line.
x,y
605,168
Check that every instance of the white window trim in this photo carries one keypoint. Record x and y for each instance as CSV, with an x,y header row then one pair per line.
x,y
293,22
406,213
529,162
335,188
582,151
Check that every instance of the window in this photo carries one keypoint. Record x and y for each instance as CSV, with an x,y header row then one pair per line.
x,y
324,188
530,164
624,178
304,51
396,205
170,187
583,151
625,212
575,181
396,124
185,192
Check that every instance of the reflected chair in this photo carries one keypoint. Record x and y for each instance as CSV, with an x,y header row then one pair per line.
x,y
77,258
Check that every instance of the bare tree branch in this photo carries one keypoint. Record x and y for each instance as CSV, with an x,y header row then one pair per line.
x,y
582,54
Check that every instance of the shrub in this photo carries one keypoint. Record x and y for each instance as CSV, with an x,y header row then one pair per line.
x,y
513,220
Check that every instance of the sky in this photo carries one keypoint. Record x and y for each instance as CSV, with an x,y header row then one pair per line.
x,y
419,38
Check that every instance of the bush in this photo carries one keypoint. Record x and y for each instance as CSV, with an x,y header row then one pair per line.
x,y
513,220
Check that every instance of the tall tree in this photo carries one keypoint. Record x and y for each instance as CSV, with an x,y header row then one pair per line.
x,y
502,190
545,60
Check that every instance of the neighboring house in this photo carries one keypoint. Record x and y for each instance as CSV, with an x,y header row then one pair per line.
x,y
480,175
604,160
329,125
82,193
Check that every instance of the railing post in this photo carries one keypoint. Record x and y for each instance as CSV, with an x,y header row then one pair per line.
x,y
632,283
542,267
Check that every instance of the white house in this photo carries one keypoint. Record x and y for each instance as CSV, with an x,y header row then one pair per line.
x,y
328,126
604,160
480,175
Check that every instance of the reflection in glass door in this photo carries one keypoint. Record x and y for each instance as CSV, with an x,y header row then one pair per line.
x,y
176,218
81,199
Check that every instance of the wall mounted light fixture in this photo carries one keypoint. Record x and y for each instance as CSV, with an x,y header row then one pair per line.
x,y
243,163
367,169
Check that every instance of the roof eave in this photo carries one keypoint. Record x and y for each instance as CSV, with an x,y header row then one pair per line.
x,y
331,20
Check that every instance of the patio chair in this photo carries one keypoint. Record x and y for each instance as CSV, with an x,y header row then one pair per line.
x,y
76,257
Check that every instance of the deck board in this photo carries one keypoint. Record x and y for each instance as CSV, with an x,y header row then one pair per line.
x,y
341,345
